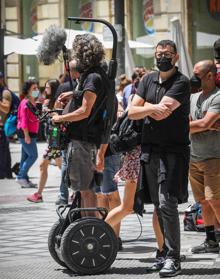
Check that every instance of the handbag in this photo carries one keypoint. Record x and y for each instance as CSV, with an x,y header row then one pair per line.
x,y
125,134
10,125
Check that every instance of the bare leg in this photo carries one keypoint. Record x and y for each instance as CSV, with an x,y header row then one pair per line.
x,y
88,199
114,200
157,231
118,213
102,201
58,162
43,175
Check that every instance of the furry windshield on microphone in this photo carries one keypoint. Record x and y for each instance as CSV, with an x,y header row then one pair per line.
x,y
52,43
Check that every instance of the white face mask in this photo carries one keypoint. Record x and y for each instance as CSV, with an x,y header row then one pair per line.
x,y
35,93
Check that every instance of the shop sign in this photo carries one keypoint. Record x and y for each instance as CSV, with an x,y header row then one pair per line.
x,y
148,16
86,10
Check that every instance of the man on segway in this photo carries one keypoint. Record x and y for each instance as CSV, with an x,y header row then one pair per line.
x,y
86,116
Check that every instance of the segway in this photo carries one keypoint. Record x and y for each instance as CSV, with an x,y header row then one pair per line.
x,y
86,245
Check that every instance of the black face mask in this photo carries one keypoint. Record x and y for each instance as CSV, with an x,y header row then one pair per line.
x,y
164,64
195,82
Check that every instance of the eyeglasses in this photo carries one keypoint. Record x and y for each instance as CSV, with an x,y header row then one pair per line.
x,y
167,54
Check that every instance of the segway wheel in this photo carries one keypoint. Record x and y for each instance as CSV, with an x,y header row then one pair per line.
x,y
89,246
53,247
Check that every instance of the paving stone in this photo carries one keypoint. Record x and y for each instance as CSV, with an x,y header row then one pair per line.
x,y
24,229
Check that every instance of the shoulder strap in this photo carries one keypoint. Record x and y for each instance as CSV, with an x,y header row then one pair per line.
x,y
33,109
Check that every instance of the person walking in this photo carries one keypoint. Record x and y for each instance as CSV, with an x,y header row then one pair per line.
x,y
163,101
50,152
5,105
205,150
27,130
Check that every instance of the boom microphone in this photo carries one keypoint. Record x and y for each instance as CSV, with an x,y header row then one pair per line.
x,y
52,43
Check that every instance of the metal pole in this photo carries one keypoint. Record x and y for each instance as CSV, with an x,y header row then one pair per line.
x,y
119,20
2,32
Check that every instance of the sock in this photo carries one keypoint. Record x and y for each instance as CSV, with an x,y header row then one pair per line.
x,y
210,233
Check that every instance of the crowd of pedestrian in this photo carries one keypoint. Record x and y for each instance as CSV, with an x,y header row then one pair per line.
x,y
180,142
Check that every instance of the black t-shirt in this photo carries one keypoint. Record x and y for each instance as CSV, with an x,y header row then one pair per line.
x,y
82,130
65,87
174,130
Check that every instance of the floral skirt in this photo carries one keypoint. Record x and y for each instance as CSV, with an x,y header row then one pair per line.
x,y
131,165
51,153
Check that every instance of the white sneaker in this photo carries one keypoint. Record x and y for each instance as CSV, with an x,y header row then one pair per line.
x,y
31,184
23,182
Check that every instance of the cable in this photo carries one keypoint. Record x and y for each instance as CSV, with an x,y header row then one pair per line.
x,y
141,230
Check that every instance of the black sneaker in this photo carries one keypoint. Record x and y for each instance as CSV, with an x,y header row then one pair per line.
x,y
170,268
209,246
158,264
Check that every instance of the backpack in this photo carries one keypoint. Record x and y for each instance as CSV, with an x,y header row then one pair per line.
x,y
192,220
125,134
10,124
15,103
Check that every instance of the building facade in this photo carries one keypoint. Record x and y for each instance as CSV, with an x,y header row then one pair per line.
x,y
145,20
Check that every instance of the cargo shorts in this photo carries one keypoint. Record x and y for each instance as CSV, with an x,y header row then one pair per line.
x,y
81,163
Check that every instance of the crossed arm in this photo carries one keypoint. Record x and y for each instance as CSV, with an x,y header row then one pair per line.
x,y
140,109
209,122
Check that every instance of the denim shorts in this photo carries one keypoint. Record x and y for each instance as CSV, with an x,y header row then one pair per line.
x,y
112,165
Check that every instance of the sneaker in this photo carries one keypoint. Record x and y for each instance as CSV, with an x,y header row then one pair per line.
x,y
61,202
170,268
120,247
158,264
209,246
23,182
35,198
31,184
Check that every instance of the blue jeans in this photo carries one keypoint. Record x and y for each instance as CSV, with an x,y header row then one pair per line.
x,y
64,192
29,155
112,165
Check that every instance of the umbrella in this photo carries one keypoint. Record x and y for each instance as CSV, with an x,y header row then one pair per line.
x,y
29,46
184,63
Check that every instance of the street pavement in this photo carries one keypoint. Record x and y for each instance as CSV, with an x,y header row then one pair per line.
x,y
24,228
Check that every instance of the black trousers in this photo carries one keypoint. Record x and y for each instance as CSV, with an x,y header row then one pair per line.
x,y
5,162
165,174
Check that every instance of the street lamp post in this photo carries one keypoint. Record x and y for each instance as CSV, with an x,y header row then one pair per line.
x,y
119,20
2,32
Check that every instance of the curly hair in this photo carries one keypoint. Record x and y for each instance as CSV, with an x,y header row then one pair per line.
x,y
27,85
88,51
